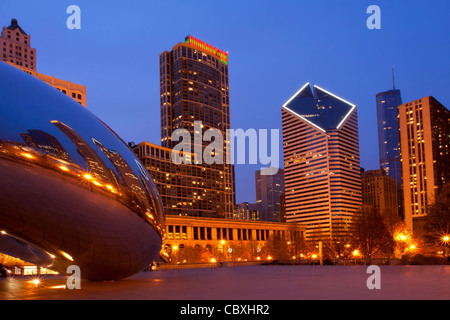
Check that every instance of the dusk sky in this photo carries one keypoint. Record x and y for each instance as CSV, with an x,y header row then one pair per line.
x,y
274,48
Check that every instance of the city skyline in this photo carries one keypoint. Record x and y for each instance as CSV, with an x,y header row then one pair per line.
x,y
91,55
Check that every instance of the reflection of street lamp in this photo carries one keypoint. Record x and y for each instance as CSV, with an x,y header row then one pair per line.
x,y
355,254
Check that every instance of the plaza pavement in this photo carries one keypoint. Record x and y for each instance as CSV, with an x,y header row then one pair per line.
x,y
247,283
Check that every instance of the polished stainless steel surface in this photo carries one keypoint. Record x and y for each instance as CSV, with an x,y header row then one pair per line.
x,y
69,186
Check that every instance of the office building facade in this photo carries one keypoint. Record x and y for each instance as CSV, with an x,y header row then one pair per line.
x,y
197,239
380,191
269,188
247,211
425,155
194,88
321,162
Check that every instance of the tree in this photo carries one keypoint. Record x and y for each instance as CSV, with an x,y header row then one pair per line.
x,y
370,235
277,248
437,221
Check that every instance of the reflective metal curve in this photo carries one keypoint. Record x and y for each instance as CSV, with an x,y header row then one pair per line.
x,y
70,187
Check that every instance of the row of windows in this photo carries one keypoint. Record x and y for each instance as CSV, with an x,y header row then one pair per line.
x,y
206,233
74,94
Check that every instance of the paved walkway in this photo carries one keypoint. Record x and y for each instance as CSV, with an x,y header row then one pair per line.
x,y
248,283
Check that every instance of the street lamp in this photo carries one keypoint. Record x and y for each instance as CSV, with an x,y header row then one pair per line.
x,y
445,240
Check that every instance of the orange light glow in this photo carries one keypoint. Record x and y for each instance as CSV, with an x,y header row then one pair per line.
x,y
27,155
63,168
87,176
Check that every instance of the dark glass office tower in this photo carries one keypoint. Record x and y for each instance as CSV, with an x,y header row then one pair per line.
x,y
388,137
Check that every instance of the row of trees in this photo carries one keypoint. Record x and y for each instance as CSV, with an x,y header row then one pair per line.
x,y
378,235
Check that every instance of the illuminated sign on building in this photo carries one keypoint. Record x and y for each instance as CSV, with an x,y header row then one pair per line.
x,y
223,56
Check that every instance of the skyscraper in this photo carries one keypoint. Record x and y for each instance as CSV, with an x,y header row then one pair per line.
x,y
321,162
388,138
16,50
16,45
269,189
425,155
380,192
194,88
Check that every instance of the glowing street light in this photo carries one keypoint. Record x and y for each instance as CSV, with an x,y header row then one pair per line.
x,y
445,239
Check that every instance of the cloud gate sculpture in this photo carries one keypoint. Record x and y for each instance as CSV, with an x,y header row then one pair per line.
x,y
71,191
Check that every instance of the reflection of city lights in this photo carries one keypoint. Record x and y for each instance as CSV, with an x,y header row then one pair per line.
x,y
66,255
58,287
87,176
97,183
63,168
27,155
35,282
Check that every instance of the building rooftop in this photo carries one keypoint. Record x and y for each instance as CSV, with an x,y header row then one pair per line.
x,y
14,25
319,107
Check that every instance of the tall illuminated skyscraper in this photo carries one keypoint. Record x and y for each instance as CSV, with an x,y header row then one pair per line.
x,y
321,162
425,154
388,138
194,87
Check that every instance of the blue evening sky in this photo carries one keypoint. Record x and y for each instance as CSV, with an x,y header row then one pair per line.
x,y
274,48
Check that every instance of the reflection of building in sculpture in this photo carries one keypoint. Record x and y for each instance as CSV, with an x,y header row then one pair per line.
x,y
17,51
226,239
95,164
46,142
321,162
425,153
126,174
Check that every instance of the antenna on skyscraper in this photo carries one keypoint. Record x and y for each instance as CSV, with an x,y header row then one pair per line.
x,y
393,79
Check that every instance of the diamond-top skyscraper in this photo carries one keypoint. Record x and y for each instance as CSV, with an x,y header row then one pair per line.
x,y
321,162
